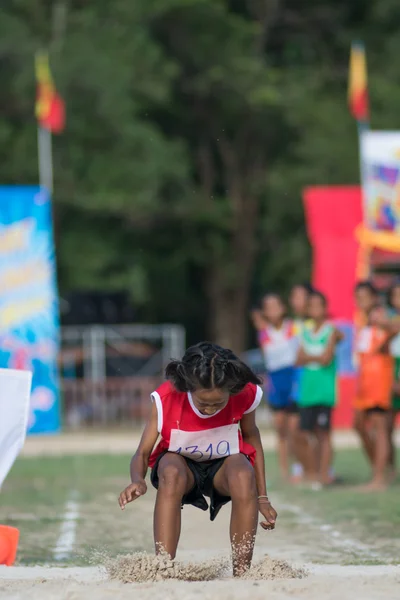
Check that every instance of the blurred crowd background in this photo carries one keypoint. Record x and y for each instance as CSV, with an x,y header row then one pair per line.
x,y
192,127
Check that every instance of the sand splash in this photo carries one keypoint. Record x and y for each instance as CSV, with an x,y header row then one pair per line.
x,y
270,568
141,567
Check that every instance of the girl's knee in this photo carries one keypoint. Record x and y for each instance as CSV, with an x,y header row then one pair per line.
x,y
294,424
281,431
242,482
359,425
172,477
379,422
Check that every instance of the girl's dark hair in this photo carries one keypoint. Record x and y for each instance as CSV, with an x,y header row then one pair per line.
x,y
320,295
304,285
272,294
208,366
367,285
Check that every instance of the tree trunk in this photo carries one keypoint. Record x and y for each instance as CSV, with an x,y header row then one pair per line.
x,y
229,274
228,295
227,317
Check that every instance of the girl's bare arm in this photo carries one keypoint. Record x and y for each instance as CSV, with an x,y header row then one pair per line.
x,y
140,460
302,358
251,435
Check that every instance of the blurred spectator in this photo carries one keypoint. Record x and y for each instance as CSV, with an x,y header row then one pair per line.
x,y
394,304
298,302
375,386
317,394
279,345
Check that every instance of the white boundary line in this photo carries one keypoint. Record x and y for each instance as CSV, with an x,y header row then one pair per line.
x,y
336,537
67,537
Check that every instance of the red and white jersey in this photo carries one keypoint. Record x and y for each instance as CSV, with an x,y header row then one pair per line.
x,y
186,431
279,346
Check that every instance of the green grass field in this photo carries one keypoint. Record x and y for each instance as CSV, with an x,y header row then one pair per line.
x,y
35,493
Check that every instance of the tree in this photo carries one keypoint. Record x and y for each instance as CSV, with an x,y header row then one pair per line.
x,y
192,127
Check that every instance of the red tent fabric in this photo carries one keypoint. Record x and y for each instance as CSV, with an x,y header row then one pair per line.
x,y
332,214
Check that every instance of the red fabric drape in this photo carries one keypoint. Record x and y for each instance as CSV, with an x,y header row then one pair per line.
x,y
332,214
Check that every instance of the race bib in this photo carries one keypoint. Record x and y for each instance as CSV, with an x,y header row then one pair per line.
x,y
364,340
280,355
208,444
314,350
395,346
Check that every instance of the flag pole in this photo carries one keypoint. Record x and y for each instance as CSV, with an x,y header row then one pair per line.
x,y
45,158
358,100
363,270
44,136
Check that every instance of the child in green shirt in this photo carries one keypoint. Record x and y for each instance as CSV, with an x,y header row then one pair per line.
x,y
317,394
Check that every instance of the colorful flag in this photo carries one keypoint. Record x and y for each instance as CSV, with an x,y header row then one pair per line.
x,y
50,108
358,85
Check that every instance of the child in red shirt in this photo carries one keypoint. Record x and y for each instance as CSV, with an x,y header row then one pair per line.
x,y
210,446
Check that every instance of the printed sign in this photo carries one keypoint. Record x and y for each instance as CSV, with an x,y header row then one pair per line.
x,y
29,324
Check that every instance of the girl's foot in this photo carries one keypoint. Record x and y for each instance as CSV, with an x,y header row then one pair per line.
x,y
332,480
297,479
316,486
373,486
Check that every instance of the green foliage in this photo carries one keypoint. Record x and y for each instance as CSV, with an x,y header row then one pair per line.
x,y
192,127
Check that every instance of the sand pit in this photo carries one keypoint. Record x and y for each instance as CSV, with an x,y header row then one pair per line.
x,y
328,582
142,567
101,531
202,570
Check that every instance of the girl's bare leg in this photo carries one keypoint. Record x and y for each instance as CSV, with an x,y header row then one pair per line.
x,y
297,441
360,425
236,479
325,455
281,428
381,452
392,447
175,480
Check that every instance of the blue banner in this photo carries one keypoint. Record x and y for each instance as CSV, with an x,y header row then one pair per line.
x,y
29,324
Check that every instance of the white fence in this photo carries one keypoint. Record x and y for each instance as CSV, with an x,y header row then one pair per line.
x,y
108,372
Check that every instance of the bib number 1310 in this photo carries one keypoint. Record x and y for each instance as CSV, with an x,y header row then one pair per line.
x,y
218,451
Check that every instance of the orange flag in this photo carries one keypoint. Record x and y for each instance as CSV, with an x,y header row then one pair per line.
x,y
50,108
358,85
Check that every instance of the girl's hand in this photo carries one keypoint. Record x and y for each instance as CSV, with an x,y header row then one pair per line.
x,y
132,492
269,513
257,320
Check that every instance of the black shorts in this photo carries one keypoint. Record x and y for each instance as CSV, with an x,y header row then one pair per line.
x,y
203,473
290,409
377,409
314,417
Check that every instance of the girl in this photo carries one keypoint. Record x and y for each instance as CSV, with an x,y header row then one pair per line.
x,y
317,394
278,342
375,384
394,303
366,297
210,446
298,302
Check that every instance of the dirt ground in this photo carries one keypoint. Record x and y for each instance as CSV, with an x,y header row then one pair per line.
x,y
368,583
303,541
204,541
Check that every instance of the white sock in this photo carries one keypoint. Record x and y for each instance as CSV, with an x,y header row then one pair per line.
x,y
297,470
